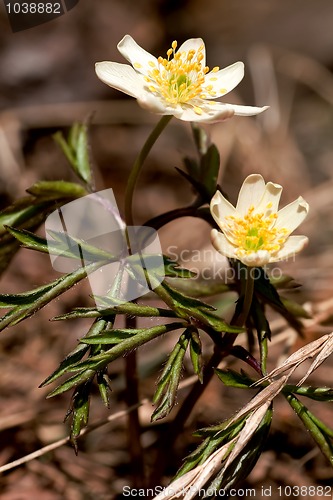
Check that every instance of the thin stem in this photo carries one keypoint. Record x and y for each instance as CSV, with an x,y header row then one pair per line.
x,y
247,300
132,383
136,169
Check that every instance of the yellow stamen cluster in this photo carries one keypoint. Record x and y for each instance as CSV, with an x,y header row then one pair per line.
x,y
180,80
254,232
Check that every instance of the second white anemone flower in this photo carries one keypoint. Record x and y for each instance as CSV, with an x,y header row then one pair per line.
x,y
255,232
180,85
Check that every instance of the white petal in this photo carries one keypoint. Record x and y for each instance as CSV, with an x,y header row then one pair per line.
x,y
149,101
293,245
272,195
250,194
291,216
140,59
120,77
220,208
209,114
256,259
221,244
194,44
225,80
248,110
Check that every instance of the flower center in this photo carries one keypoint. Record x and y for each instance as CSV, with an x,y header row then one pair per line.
x,y
254,232
180,80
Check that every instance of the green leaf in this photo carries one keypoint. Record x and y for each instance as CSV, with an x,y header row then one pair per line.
x,y
99,361
216,436
31,211
173,270
187,307
76,380
167,385
128,308
263,286
316,393
295,309
76,150
28,239
232,378
263,331
318,430
55,190
79,411
196,353
77,354
240,468
59,286
209,170
104,386
25,298
114,336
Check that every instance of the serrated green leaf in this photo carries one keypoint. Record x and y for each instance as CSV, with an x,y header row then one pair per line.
x,y
232,378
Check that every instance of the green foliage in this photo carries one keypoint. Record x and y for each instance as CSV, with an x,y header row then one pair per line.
x,y
76,150
187,309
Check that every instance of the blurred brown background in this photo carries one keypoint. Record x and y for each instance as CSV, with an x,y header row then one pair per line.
x,y
47,81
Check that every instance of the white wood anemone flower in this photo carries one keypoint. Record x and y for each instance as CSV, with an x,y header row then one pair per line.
x,y
255,232
180,85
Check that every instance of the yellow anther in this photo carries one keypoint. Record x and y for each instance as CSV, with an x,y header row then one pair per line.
x,y
197,110
151,64
174,44
215,69
137,65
